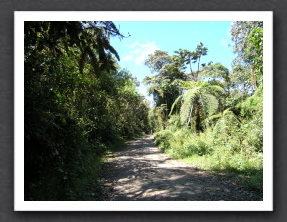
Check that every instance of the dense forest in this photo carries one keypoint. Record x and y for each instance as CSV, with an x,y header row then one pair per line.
x,y
209,116
80,104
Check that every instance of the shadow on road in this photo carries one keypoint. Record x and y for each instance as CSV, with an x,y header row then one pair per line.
x,y
140,172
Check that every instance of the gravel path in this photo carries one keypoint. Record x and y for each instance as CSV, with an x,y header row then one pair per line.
x,y
140,172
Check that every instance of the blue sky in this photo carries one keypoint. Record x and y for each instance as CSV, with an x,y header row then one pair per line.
x,y
146,37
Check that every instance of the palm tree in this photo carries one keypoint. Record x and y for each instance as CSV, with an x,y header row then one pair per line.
x,y
226,122
198,101
59,37
161,84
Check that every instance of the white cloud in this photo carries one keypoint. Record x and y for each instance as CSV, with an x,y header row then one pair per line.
x,y
147,49
140,52
137,51
134,44
127,58
147,45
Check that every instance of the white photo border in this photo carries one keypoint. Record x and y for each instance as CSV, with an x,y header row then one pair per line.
x,y
21,205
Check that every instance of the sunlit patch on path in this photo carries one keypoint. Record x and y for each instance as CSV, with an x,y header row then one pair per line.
x,y
140,172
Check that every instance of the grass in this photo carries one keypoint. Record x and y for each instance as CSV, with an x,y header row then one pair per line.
x,y
224,158
248,175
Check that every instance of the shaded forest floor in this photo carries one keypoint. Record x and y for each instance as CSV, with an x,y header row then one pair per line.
x,y
140,172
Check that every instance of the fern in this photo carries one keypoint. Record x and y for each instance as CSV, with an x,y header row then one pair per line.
x,y
198,93
175,102
227,123
189,98
210,102
252,105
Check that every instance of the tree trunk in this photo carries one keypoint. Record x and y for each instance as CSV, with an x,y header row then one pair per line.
x,y
189,117
197,117
254,79
198,68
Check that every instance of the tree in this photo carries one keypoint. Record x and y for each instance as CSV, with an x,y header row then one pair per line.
x,y
86,36
77,106
186,57
198,95
161,84
131,110
248,45
217,74
200,101
196,56
165,85
216,71
226,106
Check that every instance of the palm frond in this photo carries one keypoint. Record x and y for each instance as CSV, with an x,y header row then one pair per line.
x,y
210,102
175,102
215,90
185,84
213,117
185,111
188,99
226,123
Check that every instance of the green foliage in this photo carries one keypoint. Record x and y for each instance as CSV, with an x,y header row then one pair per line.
x,y
248,44
219,154
78,105
162,139
255,51
182,143
233,143
225,107
161,85
157,118
199,95
227,125
252,106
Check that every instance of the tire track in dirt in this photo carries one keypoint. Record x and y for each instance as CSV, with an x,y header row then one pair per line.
x,y
140,172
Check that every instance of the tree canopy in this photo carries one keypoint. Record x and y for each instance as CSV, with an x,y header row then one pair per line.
x,y
216,119
78,105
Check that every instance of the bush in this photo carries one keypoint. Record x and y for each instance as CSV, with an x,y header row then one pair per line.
x,y
232,154
182,143
197,147
163,138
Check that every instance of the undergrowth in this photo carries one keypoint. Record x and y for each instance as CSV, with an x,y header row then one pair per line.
x,y
81,184
215,154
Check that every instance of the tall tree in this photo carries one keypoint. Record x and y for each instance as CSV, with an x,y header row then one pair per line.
x,y
217,74
197,54
164,85
161,84
75,98
199,101
186,57
195,96
248,45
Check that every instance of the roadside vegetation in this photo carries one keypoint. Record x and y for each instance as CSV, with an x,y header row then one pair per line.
x,y
215,121
80,104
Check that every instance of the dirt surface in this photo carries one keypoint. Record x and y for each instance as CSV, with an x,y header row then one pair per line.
x,y
140,172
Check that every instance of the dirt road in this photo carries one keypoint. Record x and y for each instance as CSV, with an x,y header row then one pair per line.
x,y
140,172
